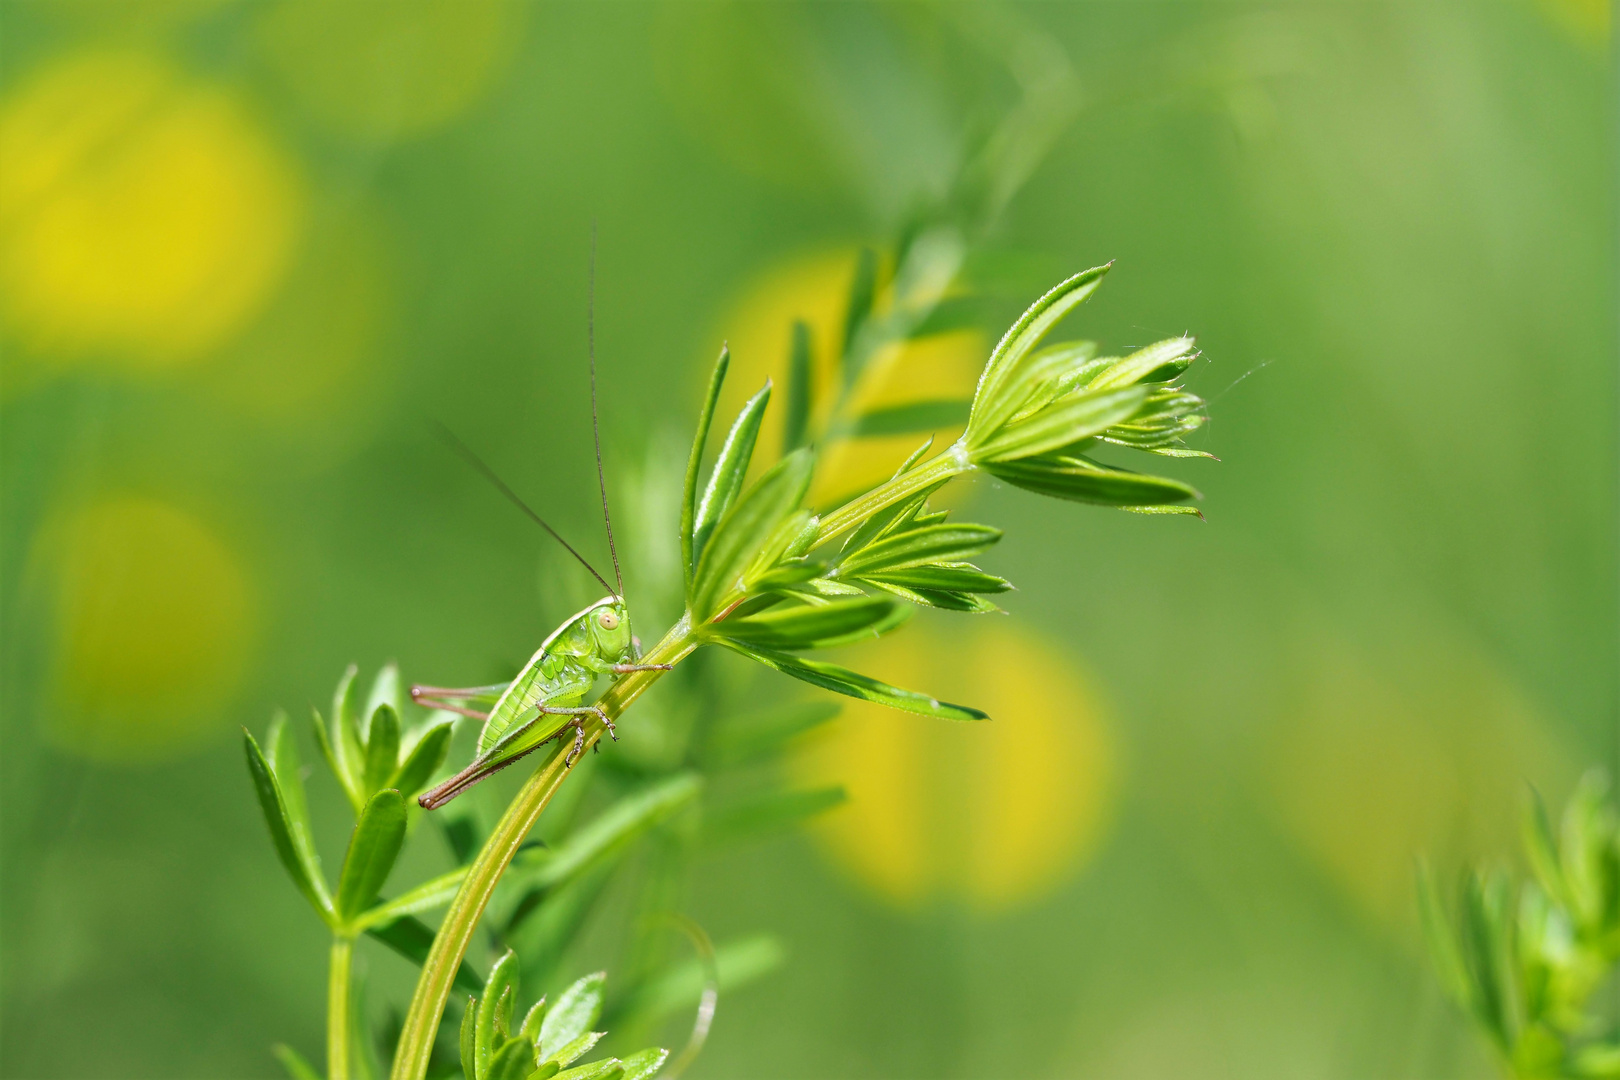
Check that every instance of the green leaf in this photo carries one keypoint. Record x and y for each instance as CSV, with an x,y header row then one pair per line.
x,y
930,543
297,1068
606,1069
411,938
1035,382
1032,326
431,894
1080,480
577,1008
348,755
1442,940
794,572
943,599
862,293
301,868
513,1061
1156,363
1065,421
530,1028
499,992
941,415
609,831
943,577
694,462
575,1049
386,689
373,847
469,1040
281,754
841,680
423,761
801,388
645,1063
729,469
324,743
1541,849
382,748
806,626
770,811
745,530
891,518
741,739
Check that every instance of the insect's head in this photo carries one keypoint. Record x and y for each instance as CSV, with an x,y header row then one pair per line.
x,y
610,628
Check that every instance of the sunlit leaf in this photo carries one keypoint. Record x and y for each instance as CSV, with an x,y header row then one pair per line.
x,y
1156,363
1080,480
607,1069
844,681
577,1008
274,806
746,528
803,626
645,1063
382,748
373,847
725,480
1065,421
575,1049
348,754
499,991
1033,325
930,543
944,577
694,463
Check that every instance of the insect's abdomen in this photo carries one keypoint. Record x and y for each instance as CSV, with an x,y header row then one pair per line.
x,y
545,679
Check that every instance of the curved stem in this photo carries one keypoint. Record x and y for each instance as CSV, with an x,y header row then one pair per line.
x,y
338,1012
461,921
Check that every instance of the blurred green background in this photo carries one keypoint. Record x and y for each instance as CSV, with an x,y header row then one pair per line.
x,y
249,249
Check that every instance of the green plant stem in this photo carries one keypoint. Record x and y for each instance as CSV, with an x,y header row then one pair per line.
x,y
953,461
338,1011
455,933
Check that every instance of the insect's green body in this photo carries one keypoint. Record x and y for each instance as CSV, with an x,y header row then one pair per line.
x,y
552,686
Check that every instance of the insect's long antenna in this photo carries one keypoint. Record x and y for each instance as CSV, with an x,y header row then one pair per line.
x,y
596,431
500,485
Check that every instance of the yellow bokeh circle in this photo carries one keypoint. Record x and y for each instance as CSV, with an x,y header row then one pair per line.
x,y
144,216
814,287
389,70
996,813
156,619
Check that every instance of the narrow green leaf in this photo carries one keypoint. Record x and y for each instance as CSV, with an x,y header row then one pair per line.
x,y
1065,421
913,547
737,740
892,518
469,1040
609,831
935,416
382,748
531,1021
373,847
1032,384
1540,847
281,755
347,752
499,991
769,812
841,680
1442,940
943,599
1032,326
513,1061
694,462
575,1049
801,388
606,1069
411,938
423,761
802,626
795,572
729,469
1155,363
274,806
645,1063
577,1008
431,894
297,1068
746,528
943,577
1079,480
322,741
386,689
862,293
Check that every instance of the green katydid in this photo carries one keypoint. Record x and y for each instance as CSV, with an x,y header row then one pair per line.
x,y
546,700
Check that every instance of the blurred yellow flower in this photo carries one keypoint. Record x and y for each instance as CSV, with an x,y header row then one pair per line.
x,y
1587,20
390,70
996,813
758,325
155,623
144,217
1420,750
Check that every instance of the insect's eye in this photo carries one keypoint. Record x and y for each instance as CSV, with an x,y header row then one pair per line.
x,y
607,620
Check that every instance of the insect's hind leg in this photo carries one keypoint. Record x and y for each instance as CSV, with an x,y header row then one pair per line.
x,y
434,697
